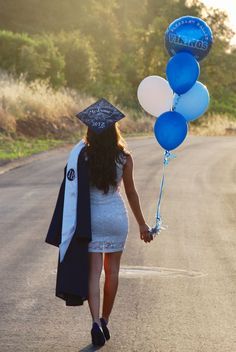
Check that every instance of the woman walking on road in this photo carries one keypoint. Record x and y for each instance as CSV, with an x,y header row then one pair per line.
x,y
109,162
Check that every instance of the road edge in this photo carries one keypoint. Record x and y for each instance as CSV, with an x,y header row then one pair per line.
x,y
13,164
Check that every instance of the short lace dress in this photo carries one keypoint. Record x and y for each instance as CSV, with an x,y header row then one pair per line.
x,y
109,217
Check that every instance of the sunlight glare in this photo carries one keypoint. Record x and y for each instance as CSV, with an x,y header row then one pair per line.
x,y
230,7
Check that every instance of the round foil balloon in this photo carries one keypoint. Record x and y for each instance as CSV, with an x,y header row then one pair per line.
x,y
190,34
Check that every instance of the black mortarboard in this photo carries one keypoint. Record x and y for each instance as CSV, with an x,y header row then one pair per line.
x,y
100,115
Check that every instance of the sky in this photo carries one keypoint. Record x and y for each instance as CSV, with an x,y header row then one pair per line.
x,y
230,7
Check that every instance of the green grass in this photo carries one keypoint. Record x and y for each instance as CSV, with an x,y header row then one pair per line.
x,y
11,149
14,149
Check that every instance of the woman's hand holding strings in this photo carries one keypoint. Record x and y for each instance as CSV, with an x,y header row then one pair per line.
x,y
144,233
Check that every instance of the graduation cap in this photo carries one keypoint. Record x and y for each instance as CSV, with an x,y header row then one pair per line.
x,y
100,115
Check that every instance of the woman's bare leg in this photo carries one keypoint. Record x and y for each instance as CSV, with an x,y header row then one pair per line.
x,y
111,268
95,268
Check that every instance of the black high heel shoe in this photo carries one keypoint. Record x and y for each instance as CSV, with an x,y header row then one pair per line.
x,y
105,329
98,338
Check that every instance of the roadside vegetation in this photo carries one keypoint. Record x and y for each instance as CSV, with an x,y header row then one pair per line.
x,y
55,63
35,117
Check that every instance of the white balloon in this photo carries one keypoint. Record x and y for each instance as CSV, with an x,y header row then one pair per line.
x,y
155,95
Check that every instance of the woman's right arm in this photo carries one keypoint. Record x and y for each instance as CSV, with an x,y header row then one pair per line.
x,y
133,199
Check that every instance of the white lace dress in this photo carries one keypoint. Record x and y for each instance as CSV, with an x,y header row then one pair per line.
x,y
109,218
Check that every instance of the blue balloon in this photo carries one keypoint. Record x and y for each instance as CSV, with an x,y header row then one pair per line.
x,y
182,71
170,130
190,34
192,104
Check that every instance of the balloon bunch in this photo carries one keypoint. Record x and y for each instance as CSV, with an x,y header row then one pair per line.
x,y
181,98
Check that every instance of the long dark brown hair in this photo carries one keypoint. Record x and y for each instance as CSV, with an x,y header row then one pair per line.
x,y
103,150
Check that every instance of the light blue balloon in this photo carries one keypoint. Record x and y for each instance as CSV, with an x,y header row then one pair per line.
x,y
170,130
194,103
182,72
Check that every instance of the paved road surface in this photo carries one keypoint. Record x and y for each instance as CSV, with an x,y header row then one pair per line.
x,y
177,294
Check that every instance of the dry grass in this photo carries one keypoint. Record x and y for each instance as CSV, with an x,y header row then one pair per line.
x,y
7,121
214,125
24,99
36,110
136,123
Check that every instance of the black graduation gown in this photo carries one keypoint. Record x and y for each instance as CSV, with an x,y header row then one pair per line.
x,y
72,273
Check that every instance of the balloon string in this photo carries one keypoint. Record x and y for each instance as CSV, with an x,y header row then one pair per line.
x,y
176,103
158,227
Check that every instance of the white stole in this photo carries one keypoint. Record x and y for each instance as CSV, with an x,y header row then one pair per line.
x,y
69,220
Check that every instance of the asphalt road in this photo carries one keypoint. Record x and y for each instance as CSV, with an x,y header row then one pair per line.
x,y
176,294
